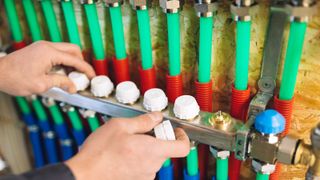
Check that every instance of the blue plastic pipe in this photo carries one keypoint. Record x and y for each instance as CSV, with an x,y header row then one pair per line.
x,y
35,137
65,141
49,142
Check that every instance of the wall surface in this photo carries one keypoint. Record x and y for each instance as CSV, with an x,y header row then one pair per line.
x,y
307,98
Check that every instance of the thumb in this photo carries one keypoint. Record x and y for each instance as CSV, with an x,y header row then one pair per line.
x,y
143,123
61,81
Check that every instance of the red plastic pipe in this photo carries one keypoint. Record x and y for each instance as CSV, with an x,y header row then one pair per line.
x,y
239,107
100,66
121,70
18,45
204,98
284,107
147,79
174,87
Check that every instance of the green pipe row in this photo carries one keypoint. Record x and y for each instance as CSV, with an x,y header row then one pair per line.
x,y
242,54
51,20
292,60
23,105
205,44
145,38
93,123
260,176
118,33
32,20
71,23
13,20
173,22
222,168
75,119
39,109
192,162
95,32
56,114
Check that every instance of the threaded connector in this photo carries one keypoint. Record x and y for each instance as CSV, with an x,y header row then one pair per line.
x,y
205,8
301,10
86,1
240,9
113,3
170,6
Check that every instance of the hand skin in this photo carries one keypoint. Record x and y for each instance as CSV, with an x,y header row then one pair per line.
x,y
120,150
27,71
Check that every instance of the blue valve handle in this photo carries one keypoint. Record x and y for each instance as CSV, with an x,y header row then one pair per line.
x,y
35,138
49,142
270,122
63,136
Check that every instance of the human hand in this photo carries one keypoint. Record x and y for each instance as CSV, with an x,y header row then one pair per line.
x,y
120,150
27,71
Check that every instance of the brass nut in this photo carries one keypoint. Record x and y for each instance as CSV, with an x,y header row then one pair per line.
x,y
220,120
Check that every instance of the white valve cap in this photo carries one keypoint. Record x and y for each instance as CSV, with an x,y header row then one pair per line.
x,y
101,86
164,131
127,92
2,54
80,80
186,107
155,100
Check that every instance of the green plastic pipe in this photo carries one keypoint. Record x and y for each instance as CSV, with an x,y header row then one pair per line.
x,y
167,163
222,169
260,176
93,123
75,119
173,22
23,105
71,23
41,113
192,162
51,20
242,54
56,114
95,32
32,20
145,38
117,31
205,44
13,20
292,60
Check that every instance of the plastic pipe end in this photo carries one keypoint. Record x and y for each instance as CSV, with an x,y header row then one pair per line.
x,y
174,86
147,79
121,69
204,95
100,66
239,103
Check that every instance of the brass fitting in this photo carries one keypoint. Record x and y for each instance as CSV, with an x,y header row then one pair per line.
x,y
220,120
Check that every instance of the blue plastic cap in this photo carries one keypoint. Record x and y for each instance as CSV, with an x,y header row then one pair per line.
x,y
270,122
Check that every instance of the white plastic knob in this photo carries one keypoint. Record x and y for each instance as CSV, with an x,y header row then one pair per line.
x,y
164,131
2,54
186,107
155,100
80,80
127,92
101,86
